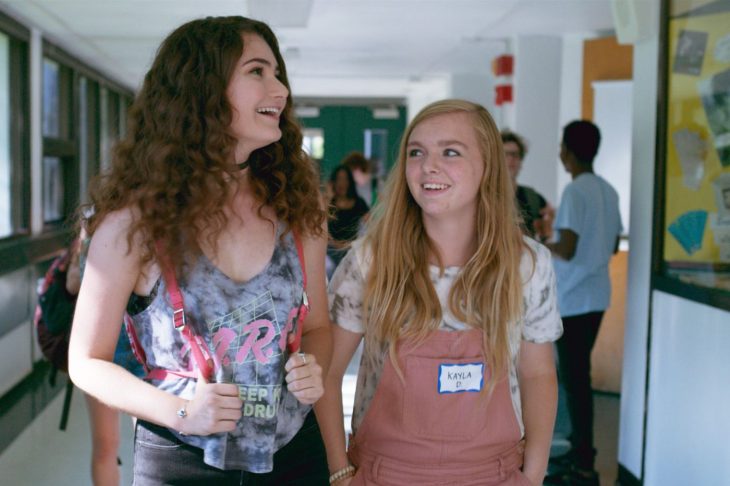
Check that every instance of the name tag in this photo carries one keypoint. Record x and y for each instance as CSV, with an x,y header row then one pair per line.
x,y
457,378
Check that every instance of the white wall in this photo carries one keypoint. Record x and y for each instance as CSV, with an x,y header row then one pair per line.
x,y
687,421
16,348
633,381
537,109
423,92
571,92
612,112
476,87
322,87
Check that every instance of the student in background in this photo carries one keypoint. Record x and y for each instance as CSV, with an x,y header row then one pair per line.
x,y
103,420
537,214
588,224
363,173
452,386
209,232
348,210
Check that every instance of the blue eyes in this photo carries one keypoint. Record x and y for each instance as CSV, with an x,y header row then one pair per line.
x,y
449,152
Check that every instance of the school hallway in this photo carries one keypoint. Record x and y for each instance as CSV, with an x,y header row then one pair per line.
x,y
43,455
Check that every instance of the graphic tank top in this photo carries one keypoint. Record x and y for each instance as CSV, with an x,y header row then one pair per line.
x,y
245,326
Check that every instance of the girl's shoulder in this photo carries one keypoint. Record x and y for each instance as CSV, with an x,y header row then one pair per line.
x,y
111,235
362,255
536,261
118,222
353,269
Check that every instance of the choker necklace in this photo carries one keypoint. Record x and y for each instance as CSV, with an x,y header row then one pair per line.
x,y
242,165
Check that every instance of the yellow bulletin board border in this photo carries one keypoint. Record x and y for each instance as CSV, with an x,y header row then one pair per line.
x,y
691,234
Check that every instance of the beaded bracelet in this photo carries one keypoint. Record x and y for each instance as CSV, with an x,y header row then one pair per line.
x,y
345,472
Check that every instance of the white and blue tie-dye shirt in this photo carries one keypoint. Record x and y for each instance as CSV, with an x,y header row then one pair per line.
x,y
540,322
245,325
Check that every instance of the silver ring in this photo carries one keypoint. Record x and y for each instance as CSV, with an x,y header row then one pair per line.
x,y
304,358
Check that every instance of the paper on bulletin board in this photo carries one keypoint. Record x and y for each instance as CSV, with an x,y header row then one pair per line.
x,y
697,213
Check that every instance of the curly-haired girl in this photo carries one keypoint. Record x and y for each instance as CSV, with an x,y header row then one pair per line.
x,y
212,207
457,381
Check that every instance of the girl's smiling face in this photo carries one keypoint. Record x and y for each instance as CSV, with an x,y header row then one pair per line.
x,y
257,97
444,166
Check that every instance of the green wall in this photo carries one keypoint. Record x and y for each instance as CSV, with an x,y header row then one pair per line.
x,y
344,128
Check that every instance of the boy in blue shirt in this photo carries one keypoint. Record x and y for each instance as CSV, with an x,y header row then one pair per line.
x,y
588,225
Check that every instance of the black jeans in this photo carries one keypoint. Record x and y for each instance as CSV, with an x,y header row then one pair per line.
x,y
161,459
574,365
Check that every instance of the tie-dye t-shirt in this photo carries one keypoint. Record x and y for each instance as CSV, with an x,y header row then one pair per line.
x,y
540,322
245,326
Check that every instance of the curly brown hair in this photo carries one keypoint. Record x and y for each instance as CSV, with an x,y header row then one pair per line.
x,y
173,166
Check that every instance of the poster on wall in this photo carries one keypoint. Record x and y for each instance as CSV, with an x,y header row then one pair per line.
x,y
697,177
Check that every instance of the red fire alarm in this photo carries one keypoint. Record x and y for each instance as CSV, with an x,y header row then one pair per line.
x,y
503,65
503,94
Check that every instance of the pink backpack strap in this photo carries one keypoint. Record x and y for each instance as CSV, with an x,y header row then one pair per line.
x,y
302,262
136,346
200,357
138,351
161,374
294,345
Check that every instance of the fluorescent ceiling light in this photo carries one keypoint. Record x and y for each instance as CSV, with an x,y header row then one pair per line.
x,y
387,113
281,13
306,111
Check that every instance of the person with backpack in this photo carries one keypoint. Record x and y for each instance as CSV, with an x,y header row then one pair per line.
x,y
55,309
537,214
208,238
54,313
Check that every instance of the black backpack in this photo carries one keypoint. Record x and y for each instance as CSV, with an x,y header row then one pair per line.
x,y
52,321
54,313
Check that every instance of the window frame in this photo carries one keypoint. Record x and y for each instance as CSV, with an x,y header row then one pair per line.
x,y
23,247
63,146
660,274
19,136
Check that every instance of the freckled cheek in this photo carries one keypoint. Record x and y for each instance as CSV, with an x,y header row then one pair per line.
x,y
411,189
411,181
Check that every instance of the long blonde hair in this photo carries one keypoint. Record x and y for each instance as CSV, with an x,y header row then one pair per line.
x,y
487,292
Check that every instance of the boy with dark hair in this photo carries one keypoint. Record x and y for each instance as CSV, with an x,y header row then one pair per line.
x,y
588,224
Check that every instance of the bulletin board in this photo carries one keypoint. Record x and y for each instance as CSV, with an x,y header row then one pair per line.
x,y
695,231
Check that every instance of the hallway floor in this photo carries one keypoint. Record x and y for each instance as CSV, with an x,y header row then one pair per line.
x,y
605,430
42,455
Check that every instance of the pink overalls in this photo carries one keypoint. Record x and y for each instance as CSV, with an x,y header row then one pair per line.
x,y
436,429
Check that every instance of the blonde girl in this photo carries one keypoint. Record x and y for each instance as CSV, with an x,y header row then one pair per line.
x,y
457,311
